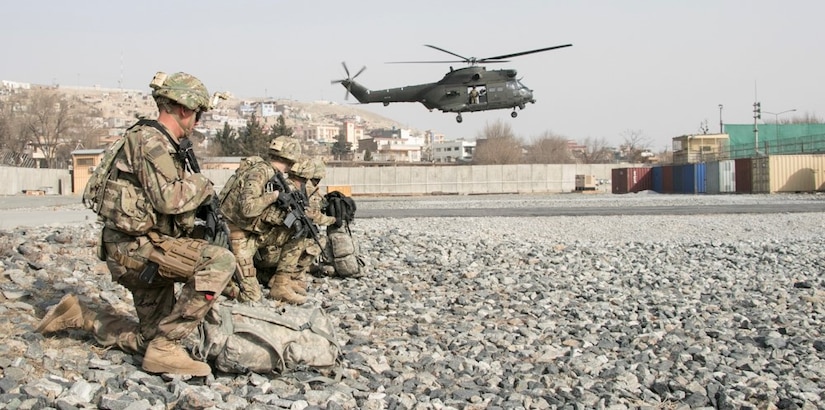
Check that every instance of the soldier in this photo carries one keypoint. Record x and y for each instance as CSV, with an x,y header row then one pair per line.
x,y
308,173
149,209
247,203
473,95
316,200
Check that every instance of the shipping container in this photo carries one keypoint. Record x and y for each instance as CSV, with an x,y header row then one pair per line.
x,y
743,172
689,179
667,179
658,179
789,173
700,179
720,176
627,180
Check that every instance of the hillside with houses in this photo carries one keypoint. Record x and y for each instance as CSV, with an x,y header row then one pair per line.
x,y
108,112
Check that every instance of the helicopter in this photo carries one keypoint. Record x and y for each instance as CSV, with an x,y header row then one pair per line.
x,y
469,89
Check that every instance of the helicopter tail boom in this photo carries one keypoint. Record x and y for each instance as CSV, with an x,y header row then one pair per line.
x,y
358,91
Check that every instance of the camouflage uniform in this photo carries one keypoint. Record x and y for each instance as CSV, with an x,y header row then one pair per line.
x,y
159,186
316,200
317,203
248,203
292,259
316,170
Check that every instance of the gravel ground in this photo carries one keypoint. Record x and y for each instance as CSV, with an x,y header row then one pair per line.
x,y
652,312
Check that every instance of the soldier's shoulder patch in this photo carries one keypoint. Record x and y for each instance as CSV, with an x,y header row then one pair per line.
x,y
156,151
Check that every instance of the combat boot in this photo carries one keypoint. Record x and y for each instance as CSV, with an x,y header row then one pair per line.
x,y
298,282
67,314
168,356
280,288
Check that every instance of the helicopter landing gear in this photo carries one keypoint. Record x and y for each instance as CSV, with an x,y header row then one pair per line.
x,y
386,103
458,118
514,114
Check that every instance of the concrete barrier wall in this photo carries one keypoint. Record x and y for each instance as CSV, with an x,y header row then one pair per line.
x,y
14,180
470,179
399,180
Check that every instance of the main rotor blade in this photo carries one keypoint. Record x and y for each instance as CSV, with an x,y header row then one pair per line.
x,y
346,70
487,60
441,62
425,62
448,52
359,72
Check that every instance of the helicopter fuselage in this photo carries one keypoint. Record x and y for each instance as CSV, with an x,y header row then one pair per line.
x,y
467,89
496,89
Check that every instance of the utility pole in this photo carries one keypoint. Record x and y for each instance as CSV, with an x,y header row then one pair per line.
x,y
721,129
757,115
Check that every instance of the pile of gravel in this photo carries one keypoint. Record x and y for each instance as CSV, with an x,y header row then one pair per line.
x,y
468,313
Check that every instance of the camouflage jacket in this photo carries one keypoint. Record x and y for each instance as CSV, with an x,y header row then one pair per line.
x,y
316,204
278,234
150,161
244,200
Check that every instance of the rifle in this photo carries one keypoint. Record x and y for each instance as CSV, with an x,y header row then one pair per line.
x,y
210,211
294,203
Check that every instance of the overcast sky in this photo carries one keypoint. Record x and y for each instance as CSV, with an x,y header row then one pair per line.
x,y
656,67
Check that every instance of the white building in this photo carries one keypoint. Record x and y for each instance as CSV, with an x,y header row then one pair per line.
x,y
390,149
453,151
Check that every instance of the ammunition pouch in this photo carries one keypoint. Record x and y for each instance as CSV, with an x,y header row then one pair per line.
x,y
126,209
246,267
177,258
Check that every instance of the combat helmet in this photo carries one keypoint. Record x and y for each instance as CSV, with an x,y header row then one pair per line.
x,y
320,169
182,88
286,148
304,169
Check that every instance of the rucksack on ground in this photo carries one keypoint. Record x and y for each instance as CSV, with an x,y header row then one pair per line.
x,y
342,250
341,207
262,339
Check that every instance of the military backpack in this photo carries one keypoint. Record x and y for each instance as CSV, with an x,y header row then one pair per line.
x,y
229,197
342,250
117,197
261,339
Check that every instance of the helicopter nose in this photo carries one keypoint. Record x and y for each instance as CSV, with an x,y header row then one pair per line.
x,y
527,93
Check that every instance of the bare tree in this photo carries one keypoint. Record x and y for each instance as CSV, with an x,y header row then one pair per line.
x,y
13,131
806,118
596,151
496,144
50,120
549,149
634,145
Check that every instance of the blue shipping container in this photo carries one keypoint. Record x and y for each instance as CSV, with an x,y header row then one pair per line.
x,y
689,179
658,179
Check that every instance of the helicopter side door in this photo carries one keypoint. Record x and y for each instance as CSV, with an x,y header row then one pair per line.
x,y
496,93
